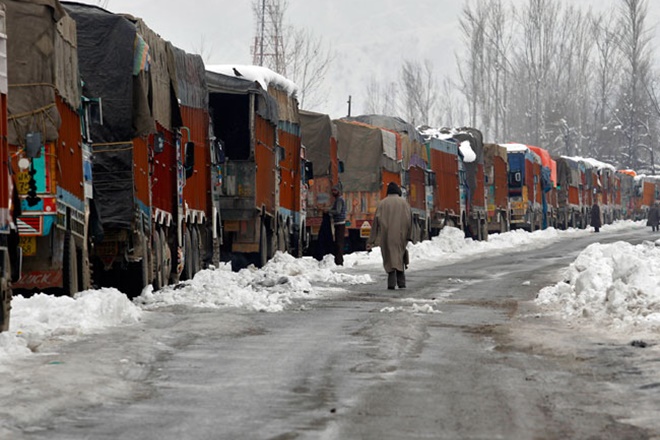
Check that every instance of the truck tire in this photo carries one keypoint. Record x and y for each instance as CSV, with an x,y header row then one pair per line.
x,y
145,264
69,266
187,272
157,265
263,245
167,258
195,250
5,294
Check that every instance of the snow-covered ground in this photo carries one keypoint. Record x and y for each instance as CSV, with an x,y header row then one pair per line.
x,y
617,285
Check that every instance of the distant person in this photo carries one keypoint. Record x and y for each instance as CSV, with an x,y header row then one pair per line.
x,y
392,230
325,243
595,217
338,215
654,217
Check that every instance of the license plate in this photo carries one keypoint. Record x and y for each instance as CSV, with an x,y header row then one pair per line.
x,y
29,245
22,182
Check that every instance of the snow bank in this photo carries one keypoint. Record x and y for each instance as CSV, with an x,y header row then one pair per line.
x,y
269,289
43,317
616,285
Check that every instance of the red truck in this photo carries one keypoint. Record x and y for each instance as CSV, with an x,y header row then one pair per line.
x,y
447,203
50,156
264,171
152,142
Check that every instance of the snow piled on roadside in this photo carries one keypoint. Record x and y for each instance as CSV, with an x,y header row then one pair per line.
x,y
615,285
42,317
285,279
270,289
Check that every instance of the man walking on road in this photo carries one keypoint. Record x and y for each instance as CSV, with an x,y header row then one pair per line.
x,y
392,230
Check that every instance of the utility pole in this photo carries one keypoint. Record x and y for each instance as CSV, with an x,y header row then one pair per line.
x,y
349,105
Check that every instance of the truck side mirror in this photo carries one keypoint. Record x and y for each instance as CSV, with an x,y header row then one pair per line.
x,y
219,149
280,153
189,163
33,144
309,171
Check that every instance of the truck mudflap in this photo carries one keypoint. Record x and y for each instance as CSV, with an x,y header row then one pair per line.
x,y
5,290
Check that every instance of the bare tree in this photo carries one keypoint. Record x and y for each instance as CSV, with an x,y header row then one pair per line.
x,y
451,109
307,59
473,23
606,77
203,48
498,41
418,91
380,100
636,57
539,24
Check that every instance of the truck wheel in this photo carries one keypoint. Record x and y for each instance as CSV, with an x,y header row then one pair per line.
x,y
69,266
5,294
195,249
167,258
157,266
187,272
263,245
145,263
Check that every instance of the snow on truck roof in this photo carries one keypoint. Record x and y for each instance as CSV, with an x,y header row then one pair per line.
x,y
594,163
513,147
262,75
447,134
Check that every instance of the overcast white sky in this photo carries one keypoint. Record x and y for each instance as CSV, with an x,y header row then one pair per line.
x,y
370,37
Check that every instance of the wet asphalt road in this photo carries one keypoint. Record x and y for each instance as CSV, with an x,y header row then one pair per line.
x,y
486,367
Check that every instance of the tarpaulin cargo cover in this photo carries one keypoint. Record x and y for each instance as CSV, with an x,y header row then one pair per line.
x,y
106,45
361,148
43,62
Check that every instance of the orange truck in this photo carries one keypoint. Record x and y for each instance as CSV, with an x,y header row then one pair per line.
x,y
152,170
445,165
370,163
50,157
496,167
547,194
403,141
264,169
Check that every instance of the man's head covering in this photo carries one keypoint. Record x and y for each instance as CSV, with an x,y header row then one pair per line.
x,y
336,189
393,188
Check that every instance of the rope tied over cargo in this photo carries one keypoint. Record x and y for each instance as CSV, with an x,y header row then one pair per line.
x,y
129,146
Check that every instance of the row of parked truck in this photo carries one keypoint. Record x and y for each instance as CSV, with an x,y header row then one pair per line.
x,y
127,162
452,178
